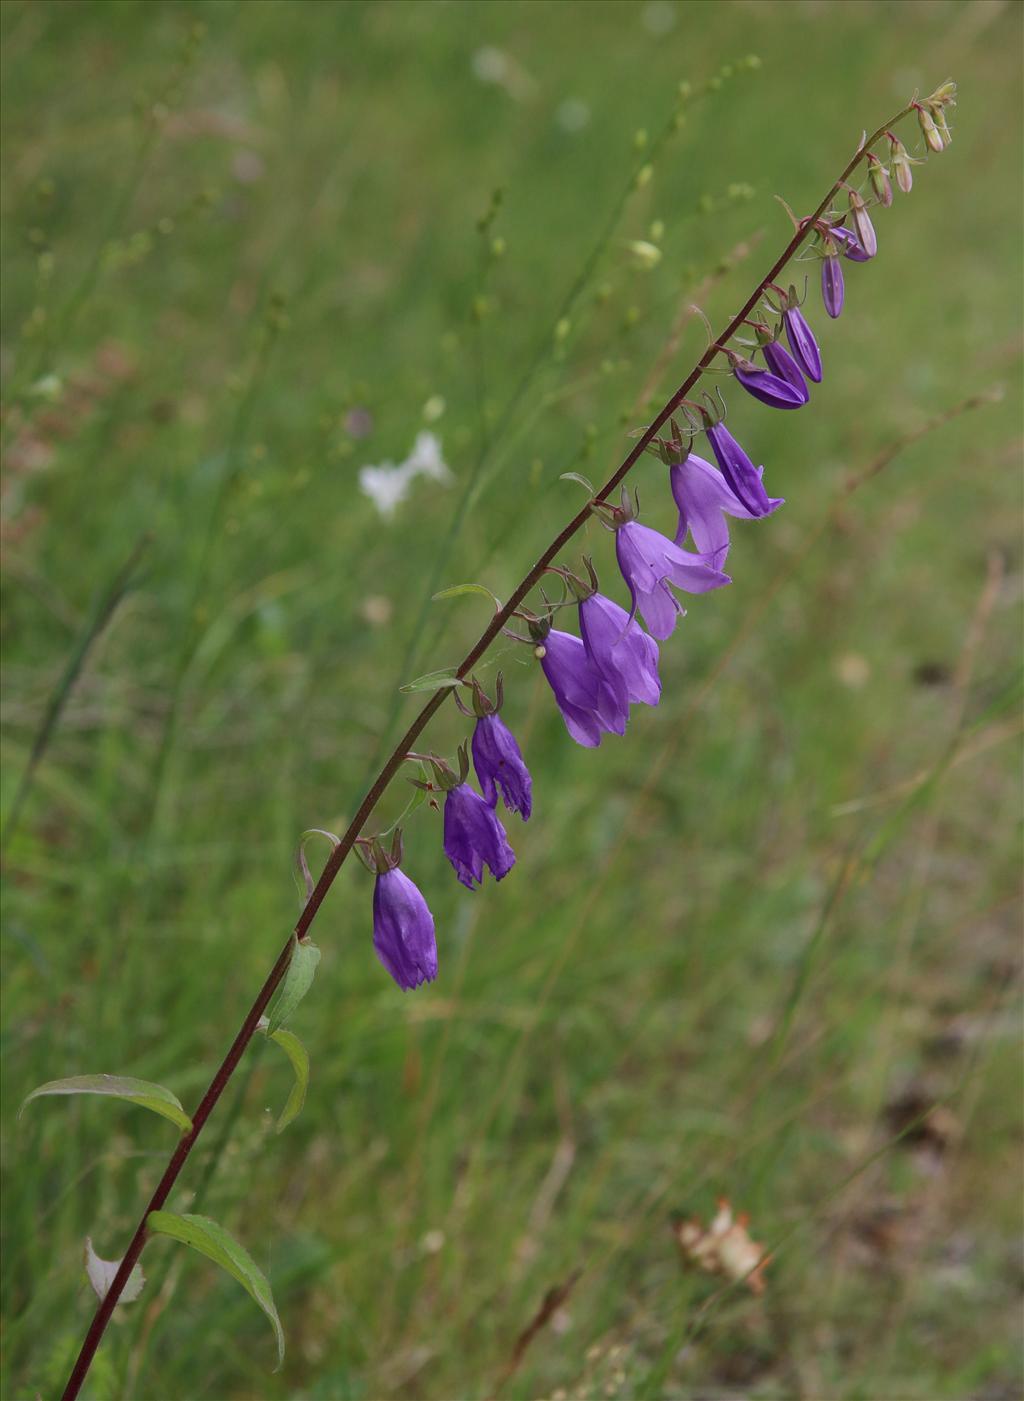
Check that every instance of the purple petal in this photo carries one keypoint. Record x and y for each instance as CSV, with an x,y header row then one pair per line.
x,y
702,496
584,699
768,388
499,763
474,837
851,246
802,343
742,476
620,650
832,285
403,930
782,364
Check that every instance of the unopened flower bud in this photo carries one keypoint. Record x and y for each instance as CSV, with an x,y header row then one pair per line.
x,y
944,96
863,225
880,182
901,166
832,284
939,118
931,133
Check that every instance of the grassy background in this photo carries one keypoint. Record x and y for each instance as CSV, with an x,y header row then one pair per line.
x,y
743,948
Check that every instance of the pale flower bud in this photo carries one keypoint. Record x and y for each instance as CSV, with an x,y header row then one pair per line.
x,y
931,133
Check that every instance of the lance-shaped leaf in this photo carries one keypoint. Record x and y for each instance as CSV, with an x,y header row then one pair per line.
x,y
433,681
456,589
144,1092
217,1244
297,982
299,1057
101,1275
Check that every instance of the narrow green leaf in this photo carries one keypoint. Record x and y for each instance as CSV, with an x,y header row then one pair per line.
x,y
433,681
299,1057
297,982
218,1245
457,589
144,1092
576,477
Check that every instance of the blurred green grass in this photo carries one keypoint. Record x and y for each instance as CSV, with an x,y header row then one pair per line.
x,y
194,307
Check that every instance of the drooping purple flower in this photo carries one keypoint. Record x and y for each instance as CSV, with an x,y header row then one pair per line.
x,y
768,387
499,763
620,650
832,285
589,704
802,343
403,930
705,498
851,246
742,476
649,563
474,837
784,367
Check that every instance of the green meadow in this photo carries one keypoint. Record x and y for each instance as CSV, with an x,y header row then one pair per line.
x,y
765,948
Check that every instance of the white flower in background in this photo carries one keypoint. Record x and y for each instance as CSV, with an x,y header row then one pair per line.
x,y
387,485
426,460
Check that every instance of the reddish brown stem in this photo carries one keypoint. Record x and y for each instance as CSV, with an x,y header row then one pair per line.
x,y
394,762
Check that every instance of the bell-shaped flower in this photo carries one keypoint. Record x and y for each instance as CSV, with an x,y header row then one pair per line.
x,y
769,388
474,837
650,562
705,498
832,284
620,651
499,764
801,342
784,367
743,477
590,706
403,929
850,246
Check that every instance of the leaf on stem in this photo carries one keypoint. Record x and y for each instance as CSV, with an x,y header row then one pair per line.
x,y
218,1245
297,982
299,1057
144,1092
433,681
457,589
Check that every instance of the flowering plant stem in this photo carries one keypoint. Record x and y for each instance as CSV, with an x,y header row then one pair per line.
x,y
397,757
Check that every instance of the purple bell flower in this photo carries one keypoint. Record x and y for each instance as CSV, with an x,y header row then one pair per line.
x,y
768,387
620,651
851,246
473,837
649,563
784,367
743,477
802,343
403,930
589,704
499,763
705,498
832,284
